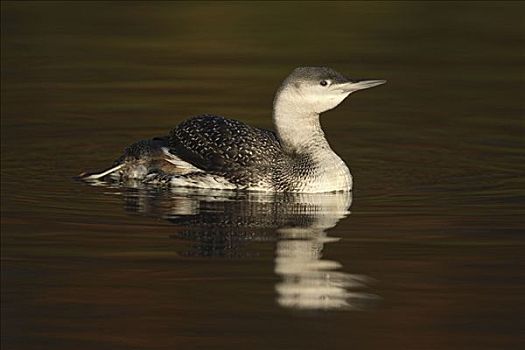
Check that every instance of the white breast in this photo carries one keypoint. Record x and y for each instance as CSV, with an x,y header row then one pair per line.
x,y
332,174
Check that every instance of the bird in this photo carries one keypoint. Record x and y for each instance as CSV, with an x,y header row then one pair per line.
x,y
214,152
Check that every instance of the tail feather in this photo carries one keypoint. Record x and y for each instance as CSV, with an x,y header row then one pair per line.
x,y
182,166
96,176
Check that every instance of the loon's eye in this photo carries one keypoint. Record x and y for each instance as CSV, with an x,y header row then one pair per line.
x,y
323,83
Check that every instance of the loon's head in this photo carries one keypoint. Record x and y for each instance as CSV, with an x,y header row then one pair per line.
x,y
319,89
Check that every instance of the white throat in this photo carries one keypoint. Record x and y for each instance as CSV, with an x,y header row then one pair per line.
x,y
299,131
296,123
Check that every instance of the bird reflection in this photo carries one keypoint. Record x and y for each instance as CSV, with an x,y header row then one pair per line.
x,y
222,223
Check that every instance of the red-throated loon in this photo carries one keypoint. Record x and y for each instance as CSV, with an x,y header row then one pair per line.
x,y
209,151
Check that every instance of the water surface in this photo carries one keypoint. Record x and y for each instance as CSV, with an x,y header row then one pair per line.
x,y
425,254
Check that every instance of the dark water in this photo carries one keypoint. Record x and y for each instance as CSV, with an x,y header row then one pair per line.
x,y
429,255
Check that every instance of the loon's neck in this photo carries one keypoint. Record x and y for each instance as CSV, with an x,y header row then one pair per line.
x,y
298,128
299,131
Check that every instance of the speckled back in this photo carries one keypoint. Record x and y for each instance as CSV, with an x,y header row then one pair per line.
x,y
215,143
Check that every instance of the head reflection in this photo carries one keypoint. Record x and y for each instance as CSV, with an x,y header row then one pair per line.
x,y
308,281
223,223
